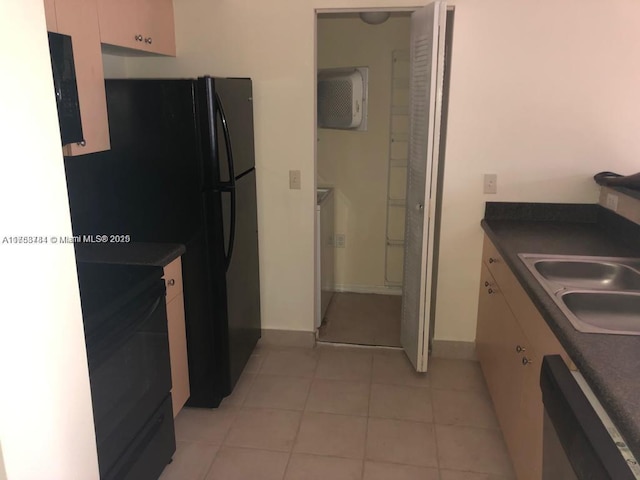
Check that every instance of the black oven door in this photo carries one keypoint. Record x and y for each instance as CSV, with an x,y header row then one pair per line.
x,y
580,441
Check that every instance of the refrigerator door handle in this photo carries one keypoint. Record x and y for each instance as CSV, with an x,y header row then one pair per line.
x,y
232,180
232,227
227,140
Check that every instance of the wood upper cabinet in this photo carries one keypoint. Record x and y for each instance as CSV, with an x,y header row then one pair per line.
x,y
177,335
79,19
512,337
50,15
145,25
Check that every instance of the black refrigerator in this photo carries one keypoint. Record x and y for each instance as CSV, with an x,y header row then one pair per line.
x,y
181,170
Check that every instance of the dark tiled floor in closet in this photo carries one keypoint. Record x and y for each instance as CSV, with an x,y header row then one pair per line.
x,y
363,318
344,414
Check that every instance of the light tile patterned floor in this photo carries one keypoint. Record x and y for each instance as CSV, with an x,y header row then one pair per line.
x,y
344,414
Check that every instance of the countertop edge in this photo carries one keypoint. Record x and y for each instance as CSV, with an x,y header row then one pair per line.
x,y
135,253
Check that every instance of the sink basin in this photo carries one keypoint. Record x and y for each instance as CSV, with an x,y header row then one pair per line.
x,y
597,294
589,274
605,312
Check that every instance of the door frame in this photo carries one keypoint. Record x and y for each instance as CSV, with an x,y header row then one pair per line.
x,y
437,181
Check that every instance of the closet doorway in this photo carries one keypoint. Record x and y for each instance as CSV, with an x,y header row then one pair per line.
x,y
365,291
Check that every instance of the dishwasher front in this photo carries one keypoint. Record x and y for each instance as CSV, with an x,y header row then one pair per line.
x,y
580,441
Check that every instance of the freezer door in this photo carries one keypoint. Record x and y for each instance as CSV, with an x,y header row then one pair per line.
x,y
225,112
242,276
234,99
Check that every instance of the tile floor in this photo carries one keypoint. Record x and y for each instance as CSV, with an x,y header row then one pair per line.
x,y
344,414
363,318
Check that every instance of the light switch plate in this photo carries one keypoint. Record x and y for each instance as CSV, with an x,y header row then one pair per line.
x,y
294,180
490,183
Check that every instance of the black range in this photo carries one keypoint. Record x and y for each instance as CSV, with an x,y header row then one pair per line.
x,y
125,324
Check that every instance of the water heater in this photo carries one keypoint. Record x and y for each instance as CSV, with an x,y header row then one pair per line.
x,y
342,98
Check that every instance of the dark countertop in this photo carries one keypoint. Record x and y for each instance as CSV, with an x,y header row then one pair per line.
x,y
134,253
609,363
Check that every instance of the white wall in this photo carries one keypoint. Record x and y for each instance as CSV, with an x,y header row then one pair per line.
x,y
356,163
46,421
114,66
544,94
3,472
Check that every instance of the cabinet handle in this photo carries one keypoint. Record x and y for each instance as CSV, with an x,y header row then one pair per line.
x,y
493,260
526,361
148,40
83,143
520,349
490,291
138,38
171,282
486,284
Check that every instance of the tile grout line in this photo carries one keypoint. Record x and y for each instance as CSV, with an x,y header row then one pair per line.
x,y
239,407
435,434
295,437
366,432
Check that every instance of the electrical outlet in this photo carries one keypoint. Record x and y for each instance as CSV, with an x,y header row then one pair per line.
x,y
294,180
340,240
612,202
490,183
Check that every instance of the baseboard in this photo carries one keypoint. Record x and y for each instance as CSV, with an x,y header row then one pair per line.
x,y
287,338
453,349
377,289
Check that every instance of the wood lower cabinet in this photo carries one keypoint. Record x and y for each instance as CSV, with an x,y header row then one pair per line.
x,y
79,20
177,335
512,337
498,339
145,25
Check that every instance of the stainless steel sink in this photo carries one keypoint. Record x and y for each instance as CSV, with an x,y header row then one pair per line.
x,y
589,274
597,294
608,312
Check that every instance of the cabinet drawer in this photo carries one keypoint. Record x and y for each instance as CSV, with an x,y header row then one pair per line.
x,y
173,279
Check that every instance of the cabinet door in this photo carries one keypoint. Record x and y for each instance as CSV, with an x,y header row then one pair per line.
x,y
79,19
528,459
119,23
497,338
178,353
157,26
173,278
50,15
